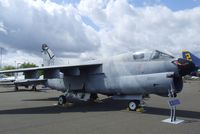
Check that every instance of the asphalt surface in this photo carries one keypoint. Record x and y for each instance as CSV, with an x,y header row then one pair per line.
x,y
29,112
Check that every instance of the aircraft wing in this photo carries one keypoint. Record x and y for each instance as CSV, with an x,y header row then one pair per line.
x,y
30,81
25,82
54,71
6,81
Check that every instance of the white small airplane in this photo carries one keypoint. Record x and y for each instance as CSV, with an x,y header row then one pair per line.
x,y
5,78
20,80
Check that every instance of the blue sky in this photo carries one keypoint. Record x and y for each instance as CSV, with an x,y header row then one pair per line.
x,y
66,1
174,5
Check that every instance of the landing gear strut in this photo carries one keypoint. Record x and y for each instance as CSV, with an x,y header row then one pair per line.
x,y
34,88
76,97
133,105
16,88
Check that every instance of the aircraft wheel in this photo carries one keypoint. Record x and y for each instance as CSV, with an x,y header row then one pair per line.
x,y
62,100
133,105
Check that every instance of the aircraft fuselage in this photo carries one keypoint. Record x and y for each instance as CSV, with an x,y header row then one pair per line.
x,y
123,76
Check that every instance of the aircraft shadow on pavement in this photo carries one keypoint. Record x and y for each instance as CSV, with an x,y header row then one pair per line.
x,y
166,112
105,105
45,99
22,90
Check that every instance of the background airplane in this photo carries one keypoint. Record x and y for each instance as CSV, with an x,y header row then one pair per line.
x,y
130,76
19,80
5,78
10,80
196,60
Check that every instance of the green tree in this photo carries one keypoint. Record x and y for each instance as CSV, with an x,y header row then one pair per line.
x,y
27,65
30,65
8,68
24,65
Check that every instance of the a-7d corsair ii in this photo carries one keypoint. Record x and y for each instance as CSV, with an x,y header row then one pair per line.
x,y
129,76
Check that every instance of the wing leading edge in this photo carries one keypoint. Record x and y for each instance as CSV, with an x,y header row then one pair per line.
x,y
54,71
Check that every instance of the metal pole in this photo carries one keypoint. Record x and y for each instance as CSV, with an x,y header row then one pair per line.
x,y
1,56
174,119
173,108
171,114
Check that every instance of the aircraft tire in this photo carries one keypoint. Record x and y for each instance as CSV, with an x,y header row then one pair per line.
x,y
133,105
62,100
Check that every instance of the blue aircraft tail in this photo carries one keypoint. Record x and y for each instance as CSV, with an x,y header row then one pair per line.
x,y
191,57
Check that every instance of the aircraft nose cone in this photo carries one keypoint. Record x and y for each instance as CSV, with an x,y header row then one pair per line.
x,y
185,67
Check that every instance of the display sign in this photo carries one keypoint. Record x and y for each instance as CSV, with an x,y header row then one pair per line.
x,y
174,102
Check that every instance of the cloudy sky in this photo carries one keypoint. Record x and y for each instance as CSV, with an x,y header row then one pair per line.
x,y
89,29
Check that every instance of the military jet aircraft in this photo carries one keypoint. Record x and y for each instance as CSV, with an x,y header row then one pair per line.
x,y
130,76
19,80
4,78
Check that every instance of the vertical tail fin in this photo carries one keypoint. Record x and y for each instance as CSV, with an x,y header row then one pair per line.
x,y
48,55
191,57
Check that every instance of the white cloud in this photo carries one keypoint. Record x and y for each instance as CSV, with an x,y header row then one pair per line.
x,y
18,57
31,23
122,27
125,27
2,28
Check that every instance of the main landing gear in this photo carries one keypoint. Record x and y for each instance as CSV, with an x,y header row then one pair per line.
x,y
133,105
34,88
62,100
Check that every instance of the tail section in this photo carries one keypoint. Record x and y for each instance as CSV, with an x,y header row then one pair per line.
x,y
191,57
48,56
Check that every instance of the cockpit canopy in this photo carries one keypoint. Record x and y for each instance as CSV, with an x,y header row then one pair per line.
x,y
147,55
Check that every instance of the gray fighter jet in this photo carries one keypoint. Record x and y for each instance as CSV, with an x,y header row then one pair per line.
x,y
130,76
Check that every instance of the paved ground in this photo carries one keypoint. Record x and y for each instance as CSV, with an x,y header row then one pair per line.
x,y
28,112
